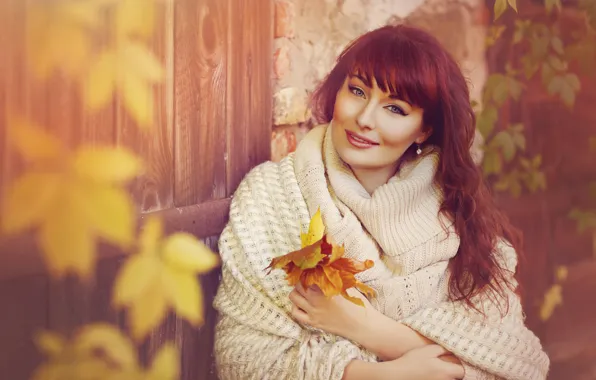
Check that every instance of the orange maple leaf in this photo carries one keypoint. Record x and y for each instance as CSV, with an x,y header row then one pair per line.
x,y
322,264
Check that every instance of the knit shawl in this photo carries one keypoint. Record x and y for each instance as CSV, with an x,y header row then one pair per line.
x,y
398,227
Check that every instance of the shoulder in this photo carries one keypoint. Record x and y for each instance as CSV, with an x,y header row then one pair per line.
x,y
266,178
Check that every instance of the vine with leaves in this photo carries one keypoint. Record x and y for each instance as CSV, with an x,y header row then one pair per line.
x,y
72,199
556,59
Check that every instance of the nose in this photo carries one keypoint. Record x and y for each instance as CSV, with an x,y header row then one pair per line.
x,y
365,118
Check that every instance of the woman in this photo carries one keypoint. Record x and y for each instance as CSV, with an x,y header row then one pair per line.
x,y
391,171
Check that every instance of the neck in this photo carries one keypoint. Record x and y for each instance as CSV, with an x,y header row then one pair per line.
x,y
371,179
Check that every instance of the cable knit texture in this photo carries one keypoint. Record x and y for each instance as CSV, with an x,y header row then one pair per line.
x,y
398,227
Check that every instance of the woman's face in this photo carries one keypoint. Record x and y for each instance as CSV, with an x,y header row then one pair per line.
x,y
372,128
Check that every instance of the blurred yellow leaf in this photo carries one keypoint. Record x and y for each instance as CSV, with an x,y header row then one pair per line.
x,y
31,141
185,252
562,273
59,29
184,290
107,164
161,276
552,298
49,343
131,69
138,273
100,81
151,233
97,351
110,340
147,310
135,17
27,201
71,207
166,364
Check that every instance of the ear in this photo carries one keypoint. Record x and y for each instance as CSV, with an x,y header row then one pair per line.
x,y
424,135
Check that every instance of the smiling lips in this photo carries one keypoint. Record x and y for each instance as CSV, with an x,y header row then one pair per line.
x,y
359,141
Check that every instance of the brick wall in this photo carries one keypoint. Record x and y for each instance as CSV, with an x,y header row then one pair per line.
x,y
309,34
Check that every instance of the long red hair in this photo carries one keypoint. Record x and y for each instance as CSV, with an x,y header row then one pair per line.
x,y
413,64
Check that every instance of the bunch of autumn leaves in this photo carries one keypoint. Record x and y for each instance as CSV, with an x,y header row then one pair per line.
x,y
320,263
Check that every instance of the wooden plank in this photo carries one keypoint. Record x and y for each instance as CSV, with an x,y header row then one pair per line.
x,y
153,190
24,312
200,100
249,87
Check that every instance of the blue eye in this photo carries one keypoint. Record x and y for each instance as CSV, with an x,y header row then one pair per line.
x,y
356,91
395,109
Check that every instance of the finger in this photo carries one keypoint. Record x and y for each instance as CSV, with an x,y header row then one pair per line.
x,y
434,350
454,371
450,358
300,289
298,299
299,315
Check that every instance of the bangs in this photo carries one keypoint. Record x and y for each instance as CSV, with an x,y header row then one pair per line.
x,y
398,67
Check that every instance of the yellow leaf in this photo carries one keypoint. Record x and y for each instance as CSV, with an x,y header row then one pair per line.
x,y
138,274
107,164
137,95
50,343
552,299
86,13
561,273
108,339
54,31
142,62
100,83
135,17
184,290
31,141
27,200
108,211
150,235
187,253
316,230
66,241
148,311
166,364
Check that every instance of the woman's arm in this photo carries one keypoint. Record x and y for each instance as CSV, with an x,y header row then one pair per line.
x,y
387,338
423,363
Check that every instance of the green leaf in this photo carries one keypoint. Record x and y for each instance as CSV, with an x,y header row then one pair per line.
x,y
505,142
557,45
585,219
547,73
549,4
500,8
492,163
589,6
566,86
486,121
557,63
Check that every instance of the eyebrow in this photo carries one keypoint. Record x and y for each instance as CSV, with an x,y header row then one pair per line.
x,y
368,84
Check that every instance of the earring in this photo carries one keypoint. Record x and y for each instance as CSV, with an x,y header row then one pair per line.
x,y
419,150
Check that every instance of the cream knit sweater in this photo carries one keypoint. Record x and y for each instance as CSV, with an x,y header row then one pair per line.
x,y
398,227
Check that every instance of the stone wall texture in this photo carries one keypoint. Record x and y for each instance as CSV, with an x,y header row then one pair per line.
x,y
309,34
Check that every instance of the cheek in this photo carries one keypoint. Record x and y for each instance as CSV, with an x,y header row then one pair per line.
x,y
346,107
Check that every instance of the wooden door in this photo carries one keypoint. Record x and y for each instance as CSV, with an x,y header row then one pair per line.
x,y
212,120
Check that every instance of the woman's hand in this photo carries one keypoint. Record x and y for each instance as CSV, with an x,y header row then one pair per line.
x,y
431,362
335,315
